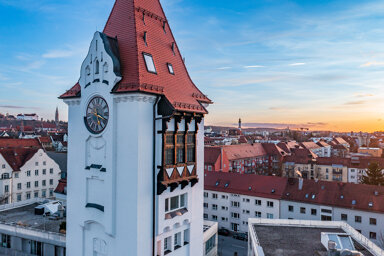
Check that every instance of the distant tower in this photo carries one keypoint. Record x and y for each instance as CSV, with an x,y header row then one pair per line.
x,y
239,123
57,117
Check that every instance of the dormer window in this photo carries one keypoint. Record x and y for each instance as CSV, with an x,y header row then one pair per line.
x,y
149,63
170,69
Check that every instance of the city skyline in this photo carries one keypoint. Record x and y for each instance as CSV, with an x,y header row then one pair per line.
x,y
292,63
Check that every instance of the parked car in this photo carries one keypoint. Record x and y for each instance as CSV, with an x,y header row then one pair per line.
x,y
223,232
241,236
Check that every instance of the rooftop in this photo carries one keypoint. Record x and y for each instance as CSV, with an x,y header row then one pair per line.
x,y
24,216
302,238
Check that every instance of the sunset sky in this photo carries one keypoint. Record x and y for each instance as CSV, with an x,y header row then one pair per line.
x,y
272,63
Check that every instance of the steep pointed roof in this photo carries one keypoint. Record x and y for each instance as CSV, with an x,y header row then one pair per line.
x,y
128,22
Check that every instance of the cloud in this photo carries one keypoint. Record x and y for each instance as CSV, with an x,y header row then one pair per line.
x,y
254,66
363,95
17,107
317,123
223,68
283,125
372,64
357,102
54,54
276,108
297,64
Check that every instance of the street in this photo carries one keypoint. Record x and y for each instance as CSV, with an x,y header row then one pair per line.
x,y
228,246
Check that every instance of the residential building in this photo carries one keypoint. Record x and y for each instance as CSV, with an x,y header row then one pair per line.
x,y
28,117
136,145
231,199
375,152
27,173
260,158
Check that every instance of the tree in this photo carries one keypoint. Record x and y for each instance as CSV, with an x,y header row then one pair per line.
x,y
374,175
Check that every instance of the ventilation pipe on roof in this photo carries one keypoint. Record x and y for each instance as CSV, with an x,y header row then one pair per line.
x,y
301,183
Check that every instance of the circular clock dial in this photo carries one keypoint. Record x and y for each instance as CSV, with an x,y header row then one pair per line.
x,y
97,115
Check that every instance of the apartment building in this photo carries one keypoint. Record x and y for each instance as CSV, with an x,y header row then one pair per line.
x,y
27,173
231,199
260,158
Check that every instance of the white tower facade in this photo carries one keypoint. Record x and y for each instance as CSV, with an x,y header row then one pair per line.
x,y
135,145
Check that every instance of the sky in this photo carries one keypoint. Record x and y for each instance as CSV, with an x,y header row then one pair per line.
x,y
313,64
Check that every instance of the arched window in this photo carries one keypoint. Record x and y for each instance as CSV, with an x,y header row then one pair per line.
x,y
105,67
97,66
87,70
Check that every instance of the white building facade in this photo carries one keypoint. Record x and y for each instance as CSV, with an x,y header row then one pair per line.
x,y
37,177
135,142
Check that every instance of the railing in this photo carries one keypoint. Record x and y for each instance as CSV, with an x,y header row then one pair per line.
x,y
365,242
6,207
37,234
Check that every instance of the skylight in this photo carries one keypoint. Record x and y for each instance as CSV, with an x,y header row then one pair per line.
x,y
149,63
217,183
226,185
353,202
170,69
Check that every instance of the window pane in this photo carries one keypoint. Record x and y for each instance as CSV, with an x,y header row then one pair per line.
x,y
180,139
170,68
183,199
180,154
169,155
149,63
174,202
166,204
191,154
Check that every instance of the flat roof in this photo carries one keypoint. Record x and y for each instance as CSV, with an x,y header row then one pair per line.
x,y
296,240
25,217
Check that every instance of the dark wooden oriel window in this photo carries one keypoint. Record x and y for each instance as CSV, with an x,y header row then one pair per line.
x,y
180,152
169,149
191,147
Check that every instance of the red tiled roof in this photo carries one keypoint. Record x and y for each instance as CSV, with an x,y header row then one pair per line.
x,y
19,143
336,194
126,24
61,187
17,157
245,184
300,156
211,154
339,146
45,139
243,151
273,149
309,145
314,192
340,140
322,143
333,160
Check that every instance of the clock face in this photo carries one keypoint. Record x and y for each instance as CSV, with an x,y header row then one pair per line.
x,y
97,115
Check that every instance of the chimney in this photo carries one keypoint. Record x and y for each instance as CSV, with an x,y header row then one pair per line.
x,y
301,182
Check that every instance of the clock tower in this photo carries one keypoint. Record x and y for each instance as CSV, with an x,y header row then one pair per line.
x,y
136,146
